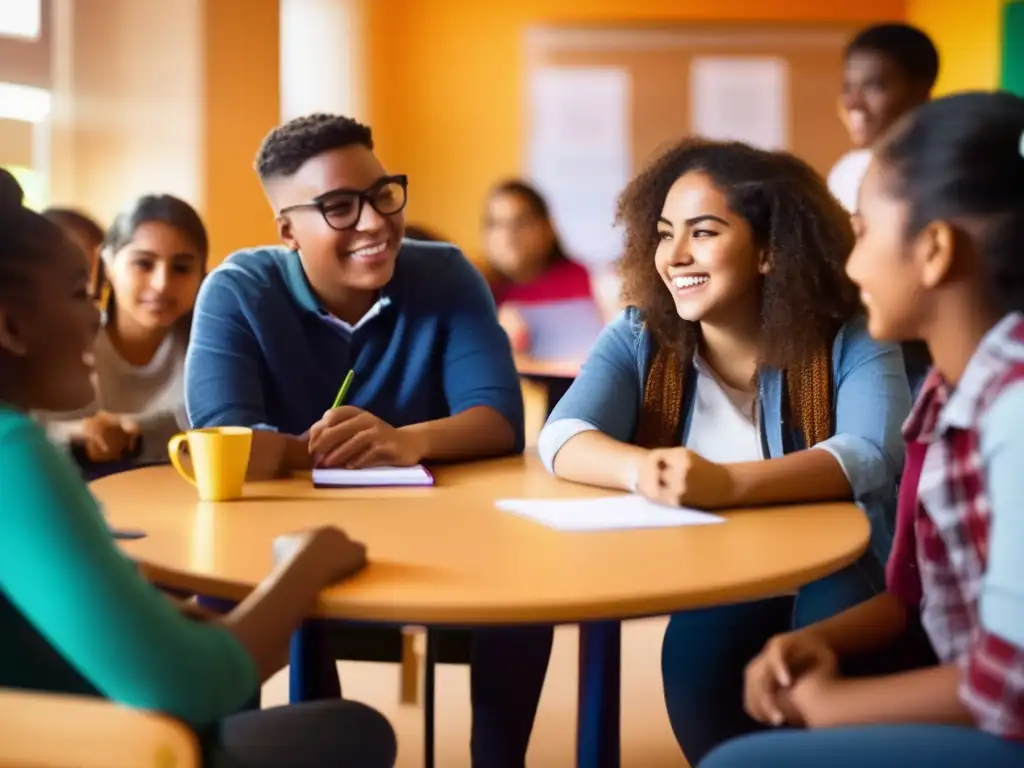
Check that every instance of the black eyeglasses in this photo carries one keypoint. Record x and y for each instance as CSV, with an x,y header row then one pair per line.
x,y
341,208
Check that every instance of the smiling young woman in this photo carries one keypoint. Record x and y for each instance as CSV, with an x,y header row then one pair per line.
x,y
742,375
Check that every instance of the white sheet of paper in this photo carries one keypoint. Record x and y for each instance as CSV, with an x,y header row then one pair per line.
x,y
741,98
579,153
608,513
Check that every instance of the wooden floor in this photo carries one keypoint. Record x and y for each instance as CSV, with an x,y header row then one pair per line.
x,y
647,740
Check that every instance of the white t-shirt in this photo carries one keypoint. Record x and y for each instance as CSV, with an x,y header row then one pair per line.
x,y
723,425
846,175
153,395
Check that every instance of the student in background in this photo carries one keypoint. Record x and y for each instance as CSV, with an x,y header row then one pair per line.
x,y
83,230
153,260
75,614
545,303
742,376
277,329
889,70
940,237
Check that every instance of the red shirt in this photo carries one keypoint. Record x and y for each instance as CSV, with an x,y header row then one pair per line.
x,y
940,551
562,281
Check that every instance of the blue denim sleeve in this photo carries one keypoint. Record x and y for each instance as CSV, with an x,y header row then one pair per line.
x,y
605,394
478,366
872,402
223,386
1002,455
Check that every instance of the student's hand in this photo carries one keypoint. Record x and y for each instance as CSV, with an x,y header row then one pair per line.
x,y
354,439
515,326
774,677
107,437
678,477
329,551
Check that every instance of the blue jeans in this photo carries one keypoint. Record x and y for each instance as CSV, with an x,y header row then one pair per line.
x,y
877,746
320,734
705,652
507,670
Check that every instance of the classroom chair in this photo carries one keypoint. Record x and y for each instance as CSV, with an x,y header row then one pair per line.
x,y
42,730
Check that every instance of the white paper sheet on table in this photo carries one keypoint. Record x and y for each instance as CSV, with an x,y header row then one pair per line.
x,y
741,98
607,513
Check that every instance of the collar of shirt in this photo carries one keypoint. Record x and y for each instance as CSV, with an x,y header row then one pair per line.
x,y
298,285
941,407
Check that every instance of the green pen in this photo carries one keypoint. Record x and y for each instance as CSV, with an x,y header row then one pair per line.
x,y
344,389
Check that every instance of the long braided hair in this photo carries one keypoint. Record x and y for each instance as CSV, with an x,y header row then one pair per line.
x,y
805,296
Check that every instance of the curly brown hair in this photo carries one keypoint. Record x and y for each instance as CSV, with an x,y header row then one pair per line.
x,y
805,296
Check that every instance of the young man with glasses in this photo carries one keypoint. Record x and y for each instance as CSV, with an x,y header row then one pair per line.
x,y
277,329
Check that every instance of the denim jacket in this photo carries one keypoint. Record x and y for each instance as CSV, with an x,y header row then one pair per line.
x,y
872,400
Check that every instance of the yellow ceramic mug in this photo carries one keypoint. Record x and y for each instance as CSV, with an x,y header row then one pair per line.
x,y
220,458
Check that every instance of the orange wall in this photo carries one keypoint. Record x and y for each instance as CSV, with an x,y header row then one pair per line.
x,y
446,82
241,104
968,36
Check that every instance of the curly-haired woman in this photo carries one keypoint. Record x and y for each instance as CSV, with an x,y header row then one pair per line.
x,y
741,376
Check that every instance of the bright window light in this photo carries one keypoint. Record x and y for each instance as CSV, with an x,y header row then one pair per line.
x,y
23,102
20,18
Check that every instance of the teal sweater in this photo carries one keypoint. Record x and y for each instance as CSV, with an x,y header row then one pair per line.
x,y
75,614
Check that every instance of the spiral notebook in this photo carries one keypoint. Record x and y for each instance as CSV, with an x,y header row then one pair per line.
x,y
374,477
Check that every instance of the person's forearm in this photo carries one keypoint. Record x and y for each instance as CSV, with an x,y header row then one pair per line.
x,y
870,626
922,696
265,620
275,455
473,434
810,475
593,458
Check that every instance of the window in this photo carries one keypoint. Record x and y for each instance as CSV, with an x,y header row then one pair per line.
x,y
23,102
20,18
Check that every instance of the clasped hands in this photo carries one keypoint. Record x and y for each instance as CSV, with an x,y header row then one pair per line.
x,y
791,680
351,438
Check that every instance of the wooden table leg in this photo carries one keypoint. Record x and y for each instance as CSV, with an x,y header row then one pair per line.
x,y
597,730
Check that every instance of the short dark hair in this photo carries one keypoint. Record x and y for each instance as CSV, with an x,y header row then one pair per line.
x,y
70,218
909,47
961,158
286,148
805,296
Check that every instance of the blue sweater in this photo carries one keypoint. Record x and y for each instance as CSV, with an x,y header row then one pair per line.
x,y
264,353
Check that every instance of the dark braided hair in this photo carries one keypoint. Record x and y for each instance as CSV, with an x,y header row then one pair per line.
x,y
26,238
805,297
961,158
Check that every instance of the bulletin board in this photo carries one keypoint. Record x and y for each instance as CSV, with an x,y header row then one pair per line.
x,y
659,63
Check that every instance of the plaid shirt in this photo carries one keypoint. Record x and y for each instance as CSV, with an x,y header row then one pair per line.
x,y
943,530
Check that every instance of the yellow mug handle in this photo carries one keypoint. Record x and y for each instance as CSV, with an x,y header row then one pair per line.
x,y
174,451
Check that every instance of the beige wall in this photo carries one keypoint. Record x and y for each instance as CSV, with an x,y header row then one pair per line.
x,y
28,61
130,109
165,96
15,143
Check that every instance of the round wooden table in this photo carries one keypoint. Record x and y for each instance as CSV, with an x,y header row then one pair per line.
x,y
444,556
